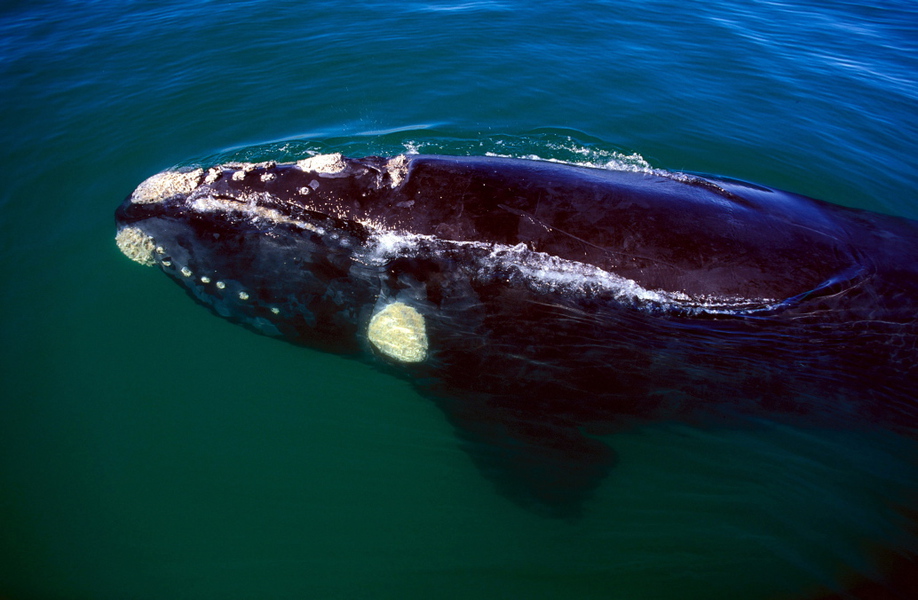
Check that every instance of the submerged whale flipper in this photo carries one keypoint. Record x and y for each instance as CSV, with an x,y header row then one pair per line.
x,y
549,467
542,305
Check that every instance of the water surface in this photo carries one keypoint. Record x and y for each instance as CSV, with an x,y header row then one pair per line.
x,y
149,450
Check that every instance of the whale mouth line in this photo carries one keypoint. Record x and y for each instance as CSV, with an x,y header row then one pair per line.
x,y
547,273
538,271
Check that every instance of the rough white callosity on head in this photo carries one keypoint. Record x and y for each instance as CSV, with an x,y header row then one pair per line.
x,y
323,163
398,169
165,185
136,245
398,331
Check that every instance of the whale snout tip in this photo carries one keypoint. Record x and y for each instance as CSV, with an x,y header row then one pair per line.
x,y
167,184
136,245
398,331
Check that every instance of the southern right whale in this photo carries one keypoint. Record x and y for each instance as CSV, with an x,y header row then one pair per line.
x,y
542,305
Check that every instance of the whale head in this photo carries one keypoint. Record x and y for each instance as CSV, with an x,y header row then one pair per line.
x,y
262,244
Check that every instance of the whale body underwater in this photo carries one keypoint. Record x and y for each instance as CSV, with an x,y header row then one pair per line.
x,y
543,305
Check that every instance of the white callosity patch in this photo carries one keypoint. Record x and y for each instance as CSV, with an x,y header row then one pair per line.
x,y
398,331
213,174
328,164
166,185
136,245
398,169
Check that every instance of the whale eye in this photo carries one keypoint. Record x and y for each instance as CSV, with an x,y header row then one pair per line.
x,y
398,332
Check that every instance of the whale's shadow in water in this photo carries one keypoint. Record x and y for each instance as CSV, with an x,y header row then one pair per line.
x,y
544,306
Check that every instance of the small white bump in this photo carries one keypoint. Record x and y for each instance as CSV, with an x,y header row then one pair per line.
x,y
205,279
239,175
268,176
160,250
243,296
167,263
221,285
275,310
186,271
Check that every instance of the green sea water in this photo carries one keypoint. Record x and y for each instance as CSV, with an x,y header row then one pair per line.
x,y
149,450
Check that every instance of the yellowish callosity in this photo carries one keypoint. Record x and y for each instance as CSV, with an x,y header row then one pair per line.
x,y
136,245
165,185
398,331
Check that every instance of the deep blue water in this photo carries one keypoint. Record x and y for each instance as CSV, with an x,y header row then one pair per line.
x,y
149,450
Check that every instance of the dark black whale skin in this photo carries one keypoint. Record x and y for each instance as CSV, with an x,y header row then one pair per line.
x,y
779,305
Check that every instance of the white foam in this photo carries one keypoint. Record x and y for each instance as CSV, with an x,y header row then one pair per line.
x,y
609,161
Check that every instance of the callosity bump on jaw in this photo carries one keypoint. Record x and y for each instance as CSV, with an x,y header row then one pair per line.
x,y
136,245
398,331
